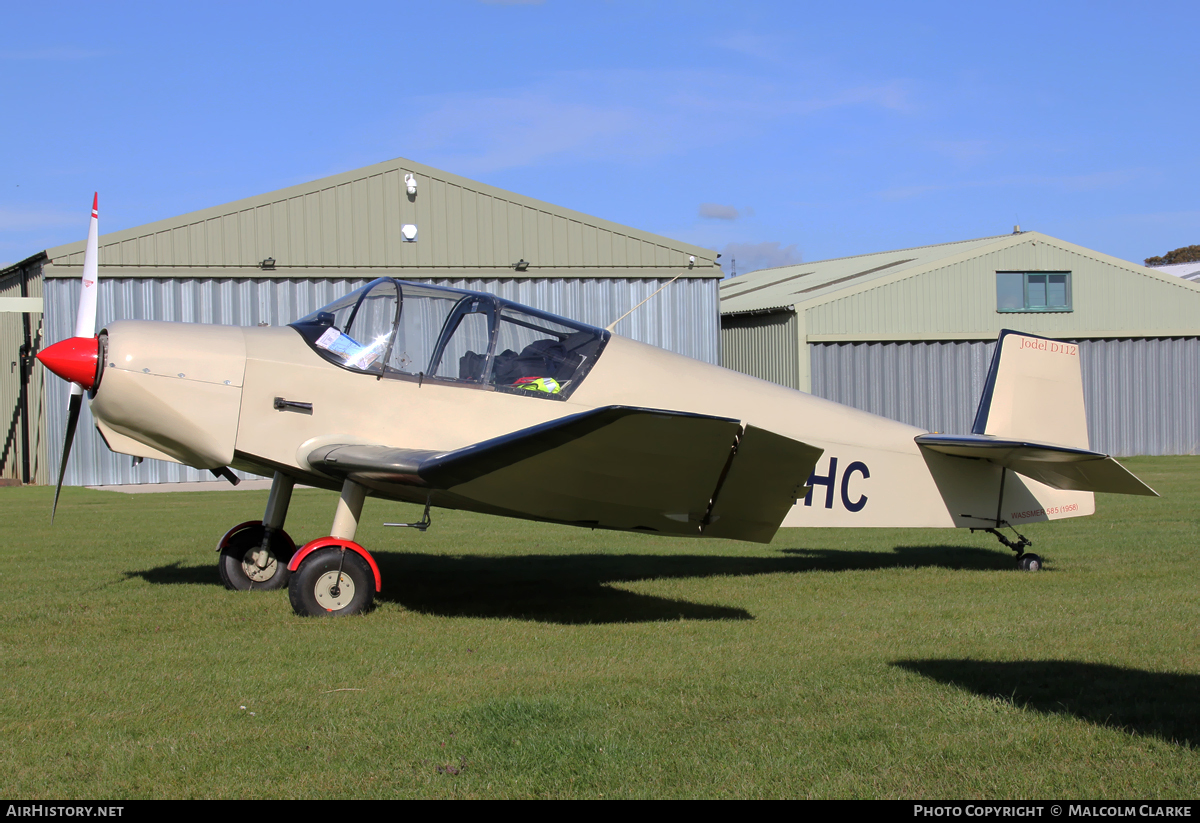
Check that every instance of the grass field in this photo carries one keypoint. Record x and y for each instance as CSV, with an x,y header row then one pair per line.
x,y
513,659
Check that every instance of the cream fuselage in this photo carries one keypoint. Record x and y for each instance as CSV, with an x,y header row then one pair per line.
x,y
206,396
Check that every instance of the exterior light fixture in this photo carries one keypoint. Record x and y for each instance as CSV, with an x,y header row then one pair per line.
x,y
521,265
408,233
268,264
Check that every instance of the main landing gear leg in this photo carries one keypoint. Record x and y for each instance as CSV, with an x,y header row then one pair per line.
x,y
334,576
254,554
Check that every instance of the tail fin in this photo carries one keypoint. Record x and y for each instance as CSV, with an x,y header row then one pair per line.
x,y
1031,420
1034,391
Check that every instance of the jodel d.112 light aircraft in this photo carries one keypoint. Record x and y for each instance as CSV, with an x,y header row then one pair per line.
x,y
458,399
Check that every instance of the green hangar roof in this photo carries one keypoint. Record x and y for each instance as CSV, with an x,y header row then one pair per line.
x,y
787,285
965,290
389,218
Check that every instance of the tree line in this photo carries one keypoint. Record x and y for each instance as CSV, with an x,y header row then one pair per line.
x,y
1183,254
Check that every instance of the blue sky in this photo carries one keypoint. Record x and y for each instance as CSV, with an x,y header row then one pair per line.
x,y
773,132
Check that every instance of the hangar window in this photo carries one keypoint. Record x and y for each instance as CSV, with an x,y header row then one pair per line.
x,y
1033,291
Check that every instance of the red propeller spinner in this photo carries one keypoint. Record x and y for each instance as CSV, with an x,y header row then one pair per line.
x,y
76,359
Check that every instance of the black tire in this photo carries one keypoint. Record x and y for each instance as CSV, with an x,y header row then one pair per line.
x,y
1029,563
243,569
312,588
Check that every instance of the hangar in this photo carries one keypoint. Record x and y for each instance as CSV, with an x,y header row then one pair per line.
x,y
272,258
909,334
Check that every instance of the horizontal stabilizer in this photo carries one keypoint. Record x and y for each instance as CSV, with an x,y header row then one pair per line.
x,y
614,467
1060,467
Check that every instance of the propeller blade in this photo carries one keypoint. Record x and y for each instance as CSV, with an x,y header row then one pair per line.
x,y
72,421
85,315
85,327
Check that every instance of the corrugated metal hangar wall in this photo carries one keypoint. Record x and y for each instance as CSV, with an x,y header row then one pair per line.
x,y
331,236
22,400
910,334
664,322
1141,394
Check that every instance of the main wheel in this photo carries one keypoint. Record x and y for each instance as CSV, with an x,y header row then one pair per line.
x,y
1029,563
318,589
244,564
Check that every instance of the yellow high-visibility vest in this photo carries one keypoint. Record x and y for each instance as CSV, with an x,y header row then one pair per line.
x,y
546,384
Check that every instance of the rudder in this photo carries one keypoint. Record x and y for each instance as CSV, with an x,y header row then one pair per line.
x,y
1034,391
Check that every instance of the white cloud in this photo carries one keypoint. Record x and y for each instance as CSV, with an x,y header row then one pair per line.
x,y
485,134
1093,181
620,114
769,47
895,95
963,151
27,219
1098,180
54,53
754,256
907,192
716,211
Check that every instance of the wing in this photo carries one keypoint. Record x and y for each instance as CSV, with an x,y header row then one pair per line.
x,y
614,467
1060,467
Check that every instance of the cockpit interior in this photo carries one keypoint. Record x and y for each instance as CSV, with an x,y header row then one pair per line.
x,y
414,331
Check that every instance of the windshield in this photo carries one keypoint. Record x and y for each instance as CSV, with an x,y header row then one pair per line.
x,y
402,330
356,330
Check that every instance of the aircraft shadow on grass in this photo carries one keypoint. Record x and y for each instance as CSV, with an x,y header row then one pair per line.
x,y
1150,704
175,574
574,588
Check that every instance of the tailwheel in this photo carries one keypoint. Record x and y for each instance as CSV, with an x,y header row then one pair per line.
x,y
332,582
1029,563
248,562
1026,561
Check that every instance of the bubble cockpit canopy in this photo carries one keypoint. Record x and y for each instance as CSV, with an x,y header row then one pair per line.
x,y
412,331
